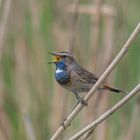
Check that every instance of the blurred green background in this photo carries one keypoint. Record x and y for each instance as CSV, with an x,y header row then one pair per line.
x,y
32,105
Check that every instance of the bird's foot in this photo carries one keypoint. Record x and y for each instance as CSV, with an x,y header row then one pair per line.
x,y
83,102
62,123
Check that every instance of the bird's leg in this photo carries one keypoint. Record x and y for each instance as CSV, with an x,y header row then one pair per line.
x,y
81,100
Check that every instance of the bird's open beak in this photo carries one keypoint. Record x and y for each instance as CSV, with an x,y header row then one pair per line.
x,y
56,59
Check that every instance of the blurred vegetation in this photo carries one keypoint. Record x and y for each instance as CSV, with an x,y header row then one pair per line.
x,y
32,105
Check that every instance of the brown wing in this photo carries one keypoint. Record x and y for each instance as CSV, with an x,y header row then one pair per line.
x,y
85,75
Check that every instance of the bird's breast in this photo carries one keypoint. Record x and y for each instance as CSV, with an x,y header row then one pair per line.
x,y
62,76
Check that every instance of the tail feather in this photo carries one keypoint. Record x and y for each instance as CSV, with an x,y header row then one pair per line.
x,y
114,89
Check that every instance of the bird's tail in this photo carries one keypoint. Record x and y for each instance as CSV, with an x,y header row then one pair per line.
x,y
106,87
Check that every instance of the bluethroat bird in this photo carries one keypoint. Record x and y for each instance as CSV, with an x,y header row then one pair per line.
x,y
70,75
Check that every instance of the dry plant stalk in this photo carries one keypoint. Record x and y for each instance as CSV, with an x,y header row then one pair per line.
x,y
3,24
5,127
59,108
28,126
71,43
109,112
133,122
117,59
94,35
103,99
94,44
106,10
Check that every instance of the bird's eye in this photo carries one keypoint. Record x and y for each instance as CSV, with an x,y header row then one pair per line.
x,y
64,56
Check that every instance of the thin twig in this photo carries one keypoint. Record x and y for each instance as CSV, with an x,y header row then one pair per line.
x,y
117,59
109,112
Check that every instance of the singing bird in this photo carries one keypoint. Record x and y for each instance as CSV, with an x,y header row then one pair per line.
x,y
71,76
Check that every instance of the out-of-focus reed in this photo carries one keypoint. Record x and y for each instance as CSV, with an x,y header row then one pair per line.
x,y
31,29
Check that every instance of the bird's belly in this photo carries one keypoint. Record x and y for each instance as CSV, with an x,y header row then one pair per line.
x,y
77,87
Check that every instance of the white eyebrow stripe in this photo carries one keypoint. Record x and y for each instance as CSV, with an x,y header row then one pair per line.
x,y
59,71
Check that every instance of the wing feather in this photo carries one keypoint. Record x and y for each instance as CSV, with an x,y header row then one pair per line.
x,y
84,75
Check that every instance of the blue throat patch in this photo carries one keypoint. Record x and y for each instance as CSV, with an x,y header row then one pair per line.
x,y
61,74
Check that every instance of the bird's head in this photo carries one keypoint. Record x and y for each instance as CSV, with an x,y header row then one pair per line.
x,y
63,58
